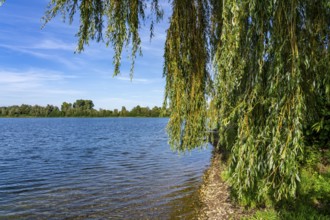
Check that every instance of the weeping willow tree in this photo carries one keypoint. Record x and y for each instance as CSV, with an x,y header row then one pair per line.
x,y
256,71
271,70
269,73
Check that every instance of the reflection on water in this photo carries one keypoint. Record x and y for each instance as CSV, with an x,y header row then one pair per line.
x,y
95,168
186,207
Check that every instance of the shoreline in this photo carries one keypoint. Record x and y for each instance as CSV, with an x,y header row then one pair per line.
x,y
214,194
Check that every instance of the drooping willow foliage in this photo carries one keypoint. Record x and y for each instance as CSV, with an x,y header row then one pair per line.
x,y
255,70
271,65
115,22
185,69
271,72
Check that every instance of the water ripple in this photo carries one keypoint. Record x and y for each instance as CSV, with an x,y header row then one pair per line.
x,y
95,169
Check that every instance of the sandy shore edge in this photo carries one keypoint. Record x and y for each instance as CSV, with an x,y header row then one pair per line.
x,y
215,194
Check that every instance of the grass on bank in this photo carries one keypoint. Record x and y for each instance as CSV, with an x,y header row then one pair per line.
x,y
312,202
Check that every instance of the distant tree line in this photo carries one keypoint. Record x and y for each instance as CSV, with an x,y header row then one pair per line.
x,y
80,108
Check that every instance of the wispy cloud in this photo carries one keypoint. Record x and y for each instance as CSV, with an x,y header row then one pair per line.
x,y
125,77
44,54
151,49
35,86
129,103
49,44
158,91
63,92
134,80
31,75
12,80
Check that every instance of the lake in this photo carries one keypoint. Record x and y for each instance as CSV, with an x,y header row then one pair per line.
x,y
95,168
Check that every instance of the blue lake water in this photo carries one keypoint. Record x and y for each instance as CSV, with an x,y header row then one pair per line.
x,y
92,168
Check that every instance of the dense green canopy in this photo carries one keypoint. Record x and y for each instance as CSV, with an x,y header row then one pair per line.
x,y
257,71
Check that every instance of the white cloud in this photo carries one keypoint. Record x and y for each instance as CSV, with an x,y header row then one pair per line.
x,y
158,91
125,77
33,79
148,49
138,80
46,44
49,44
63,92
8,76
44,54
35,86
118,102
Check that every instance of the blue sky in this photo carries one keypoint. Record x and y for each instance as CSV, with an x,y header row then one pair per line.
x,y
39,66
